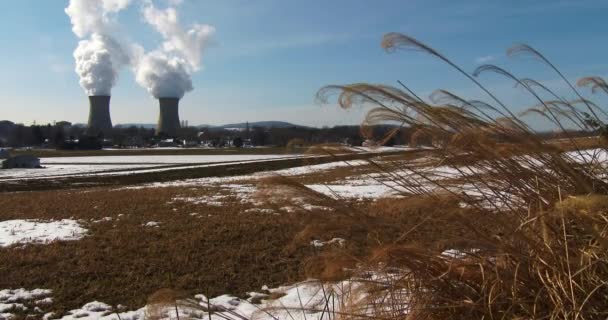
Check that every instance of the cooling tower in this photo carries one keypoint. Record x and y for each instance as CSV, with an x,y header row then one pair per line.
x,y
99,115
168,120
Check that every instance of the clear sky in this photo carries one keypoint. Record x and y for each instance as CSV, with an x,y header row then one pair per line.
x,y
269,57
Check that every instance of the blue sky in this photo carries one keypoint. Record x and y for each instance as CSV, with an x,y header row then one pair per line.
x,y
269,57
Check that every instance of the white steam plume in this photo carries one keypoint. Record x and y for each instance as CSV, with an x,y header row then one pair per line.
x,y
166,72
99,56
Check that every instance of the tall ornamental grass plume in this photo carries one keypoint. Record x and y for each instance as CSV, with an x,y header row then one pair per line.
x,y
515,221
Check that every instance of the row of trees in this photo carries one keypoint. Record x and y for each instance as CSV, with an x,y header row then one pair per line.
x,y
64,135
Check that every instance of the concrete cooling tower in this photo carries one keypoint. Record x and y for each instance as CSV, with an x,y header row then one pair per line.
x,y
168,120
99,115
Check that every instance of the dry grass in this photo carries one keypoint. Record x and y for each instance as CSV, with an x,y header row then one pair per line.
x,y
223,250
526,222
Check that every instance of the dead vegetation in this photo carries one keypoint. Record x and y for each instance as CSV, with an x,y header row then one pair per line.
x,y
212,243
519,230
222,249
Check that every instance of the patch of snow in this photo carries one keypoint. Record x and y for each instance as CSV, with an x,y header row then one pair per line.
x,y
319,244
34,231
104,219
243,193
20,299
152,224
303,170
365,191
260,210
457,253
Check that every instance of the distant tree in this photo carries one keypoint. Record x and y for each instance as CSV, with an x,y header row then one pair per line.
x,y
58,138
63,124
119,138
18,136
74,131
187,133
37,135
237,142
131,131
6,128
259,136
90,142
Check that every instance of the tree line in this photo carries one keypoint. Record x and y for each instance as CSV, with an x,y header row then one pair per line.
x,y
63,135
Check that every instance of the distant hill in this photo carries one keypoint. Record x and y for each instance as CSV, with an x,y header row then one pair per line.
x,y
264,124
242,125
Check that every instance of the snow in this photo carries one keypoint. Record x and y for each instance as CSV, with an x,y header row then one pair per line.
x,y
22,300
152,224
305,300
20,231
10,296
295,171
319,244
457,253
304,170
366,191
162,159
58,170
381,149
589,156
224,193
61,167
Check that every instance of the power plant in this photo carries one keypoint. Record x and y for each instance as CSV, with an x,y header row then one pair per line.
x,y
99,115
165,72
168,119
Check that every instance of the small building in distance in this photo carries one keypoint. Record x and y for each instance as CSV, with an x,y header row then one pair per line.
x,y
21,162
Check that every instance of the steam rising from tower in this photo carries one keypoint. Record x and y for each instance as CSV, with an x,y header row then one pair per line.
x,y
166,72
99,55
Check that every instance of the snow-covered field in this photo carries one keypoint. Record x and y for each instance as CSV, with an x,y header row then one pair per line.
x,y
163,159
57,170
61,167
122,165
